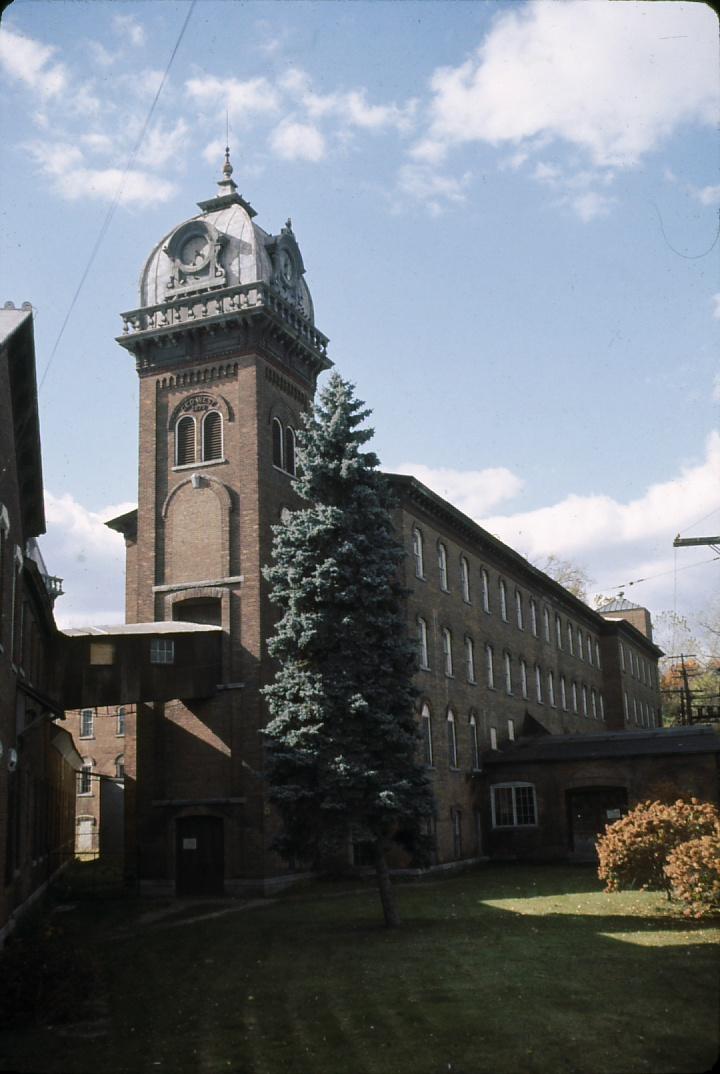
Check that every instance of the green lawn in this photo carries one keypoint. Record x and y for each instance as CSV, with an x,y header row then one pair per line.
x,y
504,969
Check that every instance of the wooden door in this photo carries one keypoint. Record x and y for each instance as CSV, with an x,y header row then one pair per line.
x,y
200,858
589,810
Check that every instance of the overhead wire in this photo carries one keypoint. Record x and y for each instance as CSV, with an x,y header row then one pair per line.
x,y
118,194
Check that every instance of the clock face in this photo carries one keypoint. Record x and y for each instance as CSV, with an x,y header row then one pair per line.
x,y
194,251
286,267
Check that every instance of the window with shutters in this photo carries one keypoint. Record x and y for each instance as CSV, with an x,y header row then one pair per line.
x,y
290,450
185,441
212,436
278,444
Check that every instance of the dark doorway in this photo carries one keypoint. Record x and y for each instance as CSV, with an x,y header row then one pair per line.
x,y
589,810
199,855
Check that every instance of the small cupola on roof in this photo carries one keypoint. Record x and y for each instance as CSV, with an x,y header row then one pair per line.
x,y
223,248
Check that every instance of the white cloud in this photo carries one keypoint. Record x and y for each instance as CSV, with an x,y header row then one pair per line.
x,y
708,195
102,56
298,141
436,191
589,205
73,179
256,95
472,491
128,27
26,60
614,79
89,557
161,144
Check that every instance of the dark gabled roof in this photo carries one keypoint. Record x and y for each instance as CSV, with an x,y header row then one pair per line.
x,y
670,741
410,487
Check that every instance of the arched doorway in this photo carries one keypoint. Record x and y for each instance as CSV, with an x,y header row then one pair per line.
x,y
199,856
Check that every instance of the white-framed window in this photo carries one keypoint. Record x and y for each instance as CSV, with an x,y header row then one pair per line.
x,y
85,776
538,684
212,436
519,618
469,659
563,693
442,566
503,599
120,766
278,444
511,730
465,579
597,655
551,688
87,723
523,679
120,722
578,635
546,624
513,805
533,617
622,657
162,651
489,666
485,583
584,700
290,447
447,651
417,545
573,690
426,721
452,740
474,748
507,661
185,441
589,649
571,647
423,643
558,631
493,738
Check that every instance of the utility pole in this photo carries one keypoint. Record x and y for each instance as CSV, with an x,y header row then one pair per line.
x,y
684,691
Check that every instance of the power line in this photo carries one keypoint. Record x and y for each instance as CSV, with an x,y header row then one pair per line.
x,y
118,194
662,574
697,523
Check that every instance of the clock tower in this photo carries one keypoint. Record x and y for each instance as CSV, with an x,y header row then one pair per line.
x,y
228,355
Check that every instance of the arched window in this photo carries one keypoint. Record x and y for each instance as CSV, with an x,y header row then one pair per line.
x,y
465,579
120,766
290,450
523,678
185,441
570,638
447,650
277,443
584,701
417,544
519,609
573,688
427,735
485,580
469,659
551,688
538,684
507,660
558,631
489,666
212,436
423,643
533,616
452,740
503,599
474,742
442,566
120,725
563,693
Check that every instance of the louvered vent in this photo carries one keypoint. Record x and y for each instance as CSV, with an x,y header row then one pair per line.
x,y
185,438
212,436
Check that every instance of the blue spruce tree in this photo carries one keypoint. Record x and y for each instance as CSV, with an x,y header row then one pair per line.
x,y
343,740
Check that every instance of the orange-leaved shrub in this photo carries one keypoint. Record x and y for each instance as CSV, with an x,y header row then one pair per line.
x,y
693,869
633,851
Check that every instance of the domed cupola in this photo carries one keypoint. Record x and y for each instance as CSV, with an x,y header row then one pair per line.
x,y
221,265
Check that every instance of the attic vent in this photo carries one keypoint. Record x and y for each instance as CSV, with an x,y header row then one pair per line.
x,y
185,441
212,436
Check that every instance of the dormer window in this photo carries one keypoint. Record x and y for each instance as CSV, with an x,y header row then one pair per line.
x,y
185,441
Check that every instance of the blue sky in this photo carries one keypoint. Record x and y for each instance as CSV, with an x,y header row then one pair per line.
x,y
507,214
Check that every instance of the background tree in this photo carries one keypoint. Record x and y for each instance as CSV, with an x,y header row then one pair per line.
x,y
343,741
570,575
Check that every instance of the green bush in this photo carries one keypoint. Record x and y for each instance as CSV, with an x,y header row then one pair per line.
x,y
633,851
693,869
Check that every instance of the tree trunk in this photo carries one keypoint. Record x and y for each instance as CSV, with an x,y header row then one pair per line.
x,y
387,895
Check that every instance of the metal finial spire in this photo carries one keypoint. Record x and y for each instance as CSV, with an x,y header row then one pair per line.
x,y
227,166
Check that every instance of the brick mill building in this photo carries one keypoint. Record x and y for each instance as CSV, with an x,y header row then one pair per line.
x,y
228,356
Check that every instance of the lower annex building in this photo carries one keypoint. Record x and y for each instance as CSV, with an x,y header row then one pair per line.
x,y
228,355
